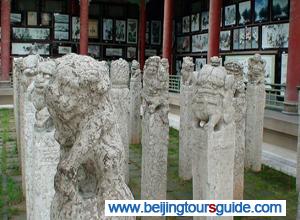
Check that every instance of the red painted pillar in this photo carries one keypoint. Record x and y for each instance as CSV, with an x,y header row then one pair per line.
x,y
84,25
293,68
5,39
167,31
142,34
214,28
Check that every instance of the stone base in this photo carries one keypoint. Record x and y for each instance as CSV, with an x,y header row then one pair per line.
x,y
290,108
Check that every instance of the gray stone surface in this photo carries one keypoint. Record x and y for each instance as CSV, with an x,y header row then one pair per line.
x,y
255,96
298,154
214,135
91,151
45,150
27,70
155,130
119,74
135,103
186,116
239,102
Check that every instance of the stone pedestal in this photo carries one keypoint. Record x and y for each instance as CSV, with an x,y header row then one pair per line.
x,y
155,130
213,135
135,103
239,103
254,125
185,133
43,168
119,74
186,116
256,98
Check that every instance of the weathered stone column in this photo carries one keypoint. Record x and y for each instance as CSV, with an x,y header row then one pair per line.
x,y
26,113
91,151
214,135
255,96
186,116
45,149
155,130
135,103
119,75
239,103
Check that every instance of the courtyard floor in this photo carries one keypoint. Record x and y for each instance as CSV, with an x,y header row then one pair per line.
x,y
268,184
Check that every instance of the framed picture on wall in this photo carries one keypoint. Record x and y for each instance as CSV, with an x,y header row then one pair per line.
x,y
244,12
94,51
261,10
275,36
195,21
61,26
183,44
284,62
230,15
200,43
280,9
225,40
242,38
199,63
178,27
93,29
186,24
178,67
131,52
15,18
236,39
20,33
46,19
132,29
120,30
114,52
107,29
150,52
205,20
64,49
155,32
31,18
255,37
75,28
27,48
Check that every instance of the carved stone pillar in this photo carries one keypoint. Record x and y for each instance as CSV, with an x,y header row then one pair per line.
x,y
135,103
155,130
256,97
119,74
186,116
239,103
214,135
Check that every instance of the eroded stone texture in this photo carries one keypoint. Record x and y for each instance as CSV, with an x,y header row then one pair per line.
x,y
155,129
91,151
27,70
239,103
45,149
119,74
214,135
135,103
186,116
298,154
255,96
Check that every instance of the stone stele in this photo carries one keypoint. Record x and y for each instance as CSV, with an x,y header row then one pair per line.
x,y
45,150
186,116
255,96
135,103
155,130
214,135
239,102
91,151
119,75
